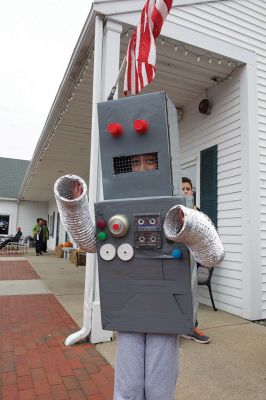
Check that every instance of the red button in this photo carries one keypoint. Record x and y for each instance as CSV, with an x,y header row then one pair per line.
x,y
116,227
141,125
115,129
101,224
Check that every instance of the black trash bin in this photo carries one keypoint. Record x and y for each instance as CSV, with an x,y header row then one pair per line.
x,y
31,242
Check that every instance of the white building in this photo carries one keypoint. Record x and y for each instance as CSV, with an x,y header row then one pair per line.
x,y
206,48
15,212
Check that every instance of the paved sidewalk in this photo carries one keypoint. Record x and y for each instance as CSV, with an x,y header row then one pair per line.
x,y
34,326
34,362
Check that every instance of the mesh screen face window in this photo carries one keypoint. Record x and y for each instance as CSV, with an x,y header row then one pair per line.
x,y
135,163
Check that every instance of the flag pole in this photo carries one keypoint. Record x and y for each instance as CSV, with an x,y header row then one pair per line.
x,y
111,95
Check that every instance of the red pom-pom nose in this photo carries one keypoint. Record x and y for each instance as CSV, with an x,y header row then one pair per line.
x,y
115,129
141,126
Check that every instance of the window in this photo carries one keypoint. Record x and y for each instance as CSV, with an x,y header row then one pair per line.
x,y
51,224
4,224
208,183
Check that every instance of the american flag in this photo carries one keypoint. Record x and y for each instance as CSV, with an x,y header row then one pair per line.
x,y
141,52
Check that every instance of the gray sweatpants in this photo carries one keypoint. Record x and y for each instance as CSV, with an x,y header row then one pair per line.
x,y
146,366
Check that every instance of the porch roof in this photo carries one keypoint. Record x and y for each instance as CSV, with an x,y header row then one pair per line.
x,y
185,72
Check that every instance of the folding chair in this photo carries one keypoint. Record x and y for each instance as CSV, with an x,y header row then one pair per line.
x,y
204,278
18,247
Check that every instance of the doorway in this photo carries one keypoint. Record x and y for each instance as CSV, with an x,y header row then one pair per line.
x,y
57,229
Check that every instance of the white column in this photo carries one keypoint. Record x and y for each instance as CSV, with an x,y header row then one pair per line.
x,y
109,73
90,307
251,253
111,57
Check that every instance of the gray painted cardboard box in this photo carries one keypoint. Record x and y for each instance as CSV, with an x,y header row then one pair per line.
x,y
143,287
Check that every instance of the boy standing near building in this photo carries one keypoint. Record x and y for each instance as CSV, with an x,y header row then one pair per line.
x,y
197,335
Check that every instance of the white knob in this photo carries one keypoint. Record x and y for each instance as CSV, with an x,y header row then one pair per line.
x,y
107,252
125,252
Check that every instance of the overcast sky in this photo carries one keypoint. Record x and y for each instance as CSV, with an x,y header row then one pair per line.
x,y
37,38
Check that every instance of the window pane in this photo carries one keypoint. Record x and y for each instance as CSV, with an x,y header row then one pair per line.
x,y
4,224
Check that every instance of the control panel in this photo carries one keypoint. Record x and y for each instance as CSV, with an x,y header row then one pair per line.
x,y
147,231
140,270
126,235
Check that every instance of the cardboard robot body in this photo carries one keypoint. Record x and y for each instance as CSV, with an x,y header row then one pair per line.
x,y
147,284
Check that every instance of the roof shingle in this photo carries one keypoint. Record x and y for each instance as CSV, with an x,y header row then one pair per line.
x,y
12,172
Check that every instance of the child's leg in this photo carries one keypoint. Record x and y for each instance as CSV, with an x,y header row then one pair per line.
x,y
129,369
161,366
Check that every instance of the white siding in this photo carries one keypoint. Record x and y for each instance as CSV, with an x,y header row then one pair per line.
x,y
52,208
28,213
241,23
10,207
198,132
23,215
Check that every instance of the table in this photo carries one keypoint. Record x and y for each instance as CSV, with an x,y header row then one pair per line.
x,y
80,258
67,251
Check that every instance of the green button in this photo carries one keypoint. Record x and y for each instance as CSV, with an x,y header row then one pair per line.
x,y
102,236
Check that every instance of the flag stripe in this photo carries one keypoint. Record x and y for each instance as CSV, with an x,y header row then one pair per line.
x,y
141,53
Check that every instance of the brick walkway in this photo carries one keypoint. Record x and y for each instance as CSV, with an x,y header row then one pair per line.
x,y
34,362
16,270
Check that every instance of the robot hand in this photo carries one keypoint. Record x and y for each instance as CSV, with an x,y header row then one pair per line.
x,y
71,197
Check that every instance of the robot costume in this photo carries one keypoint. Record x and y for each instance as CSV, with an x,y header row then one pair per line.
x,y
143,231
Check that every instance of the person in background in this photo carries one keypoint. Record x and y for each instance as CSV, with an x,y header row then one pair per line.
x,y
45,235
37,234
197,335
15,238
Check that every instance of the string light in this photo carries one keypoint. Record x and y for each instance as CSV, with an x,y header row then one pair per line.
x,y
199,58
62,112
204,56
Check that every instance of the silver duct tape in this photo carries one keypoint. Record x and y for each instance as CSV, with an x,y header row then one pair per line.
x,y
75,213
197,232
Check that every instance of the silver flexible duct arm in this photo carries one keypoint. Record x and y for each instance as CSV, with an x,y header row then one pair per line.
x,y
74,212
196,231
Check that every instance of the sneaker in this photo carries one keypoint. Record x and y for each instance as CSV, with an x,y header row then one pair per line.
x,y
198,337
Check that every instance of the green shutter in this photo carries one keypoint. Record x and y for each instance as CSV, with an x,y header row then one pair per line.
x,y
208,183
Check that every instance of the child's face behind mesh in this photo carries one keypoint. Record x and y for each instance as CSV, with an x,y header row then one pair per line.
x,y
144,162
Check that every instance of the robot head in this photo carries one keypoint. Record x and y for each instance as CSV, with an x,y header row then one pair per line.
x,y
136,135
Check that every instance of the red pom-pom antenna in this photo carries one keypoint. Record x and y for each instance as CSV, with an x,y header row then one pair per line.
x,y
115,129
141,126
